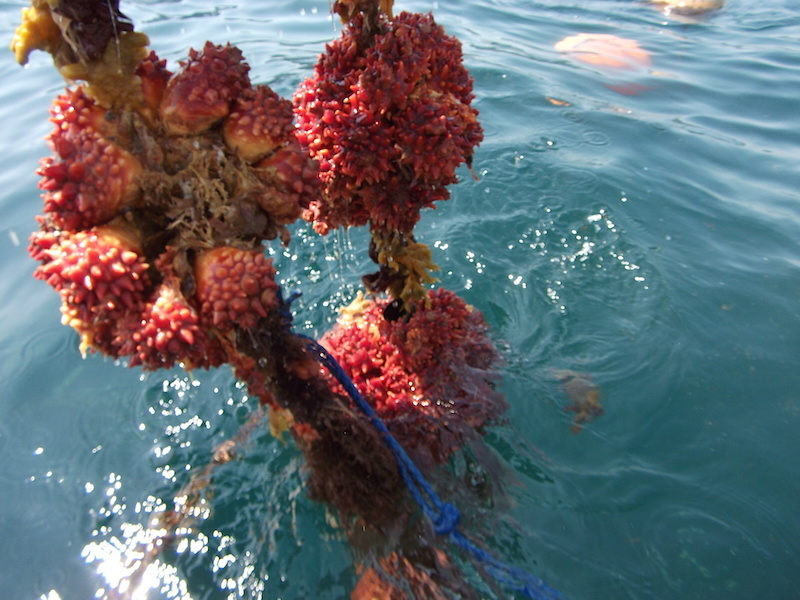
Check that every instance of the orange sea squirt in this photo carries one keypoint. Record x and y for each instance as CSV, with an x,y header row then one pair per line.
x,y
605,50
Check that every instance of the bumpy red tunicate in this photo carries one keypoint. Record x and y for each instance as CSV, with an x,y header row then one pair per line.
x,y
260,121
168,332
90,178
389,119
98,269
163,188
143,201
235,287
154,76
430,376
101,276
291,183
201,93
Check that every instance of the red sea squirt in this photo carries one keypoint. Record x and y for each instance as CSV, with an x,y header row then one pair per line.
x,y
90,178
235,287
260,121
101,267
167,332
154,76
430,377
206,168
100,275
201,92
292,183
386,113
126,178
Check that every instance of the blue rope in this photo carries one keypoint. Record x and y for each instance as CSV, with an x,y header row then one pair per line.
x,y
444,515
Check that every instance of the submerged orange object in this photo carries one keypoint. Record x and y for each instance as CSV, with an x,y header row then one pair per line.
x,y
605,50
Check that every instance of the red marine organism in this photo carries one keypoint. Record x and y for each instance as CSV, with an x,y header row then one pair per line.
x,y
153,77
169,332
430,376
91,177
200,94
389,118
100,268
163,188
290,181
235,287
260,122
100,274
157,201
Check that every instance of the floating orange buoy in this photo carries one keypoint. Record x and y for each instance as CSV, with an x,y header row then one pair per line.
x,y
605,50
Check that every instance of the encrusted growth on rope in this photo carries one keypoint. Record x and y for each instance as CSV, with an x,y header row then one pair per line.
x,y
388,115
160,193
444,515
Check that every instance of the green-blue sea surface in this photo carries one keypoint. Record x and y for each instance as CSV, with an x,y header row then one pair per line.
x,y
641,227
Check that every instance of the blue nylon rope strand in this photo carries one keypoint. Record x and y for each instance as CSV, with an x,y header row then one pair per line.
x,y
444,515
410,472
522,581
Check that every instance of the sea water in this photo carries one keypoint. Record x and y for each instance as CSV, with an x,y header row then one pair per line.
x,y
641,229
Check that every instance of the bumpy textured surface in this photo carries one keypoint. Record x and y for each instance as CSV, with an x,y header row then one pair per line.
x,y
235,287
201,92
430,376
100,275
163,188
153,76
291,181
90,177
260,122
169,332
388,117
100,268
155,214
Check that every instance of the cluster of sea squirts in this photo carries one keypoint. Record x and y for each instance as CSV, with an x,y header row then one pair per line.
x,y
155,214
162,188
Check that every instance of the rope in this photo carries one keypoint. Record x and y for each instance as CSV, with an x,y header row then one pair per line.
x,y
444,515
